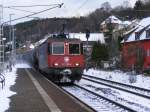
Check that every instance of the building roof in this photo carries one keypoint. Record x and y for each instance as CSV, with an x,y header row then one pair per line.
x,y
55,38
112,19
140,28
93,36
126,22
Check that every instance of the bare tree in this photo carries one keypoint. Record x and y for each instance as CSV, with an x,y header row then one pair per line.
x,y
106,6
126,4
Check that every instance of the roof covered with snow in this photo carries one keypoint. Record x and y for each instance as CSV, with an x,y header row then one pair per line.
x,y
126,22
41,41
141,28
112,19
93,36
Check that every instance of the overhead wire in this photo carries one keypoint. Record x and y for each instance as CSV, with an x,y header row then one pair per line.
x,y
22,6
83,4
31,5
77,9
58,6
20,10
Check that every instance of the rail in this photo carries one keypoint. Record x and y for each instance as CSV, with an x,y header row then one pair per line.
x,y
2,80
109,100
121,84
127,85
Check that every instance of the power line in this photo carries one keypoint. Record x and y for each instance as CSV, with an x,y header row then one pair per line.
x,y
20,10
58,6
80,6
31,6
83,4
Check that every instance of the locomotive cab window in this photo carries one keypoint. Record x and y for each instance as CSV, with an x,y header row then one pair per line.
x,y
74,48
58,48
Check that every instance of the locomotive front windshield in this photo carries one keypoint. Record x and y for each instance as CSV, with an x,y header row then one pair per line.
x,y
74,49
58,48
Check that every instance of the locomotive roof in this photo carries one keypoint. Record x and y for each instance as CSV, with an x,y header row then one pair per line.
x,y
63,39
55,38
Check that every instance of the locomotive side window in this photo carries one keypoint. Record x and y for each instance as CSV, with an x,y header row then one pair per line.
x,y
58,48
81,47
74,49
49,48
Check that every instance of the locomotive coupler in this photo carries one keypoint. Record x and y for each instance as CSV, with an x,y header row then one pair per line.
x,y
66,72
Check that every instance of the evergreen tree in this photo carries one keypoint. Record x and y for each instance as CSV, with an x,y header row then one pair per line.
x,y
99,53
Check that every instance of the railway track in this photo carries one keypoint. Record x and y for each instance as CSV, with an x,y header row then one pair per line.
x,y
96,101
145,93
99,102
136,102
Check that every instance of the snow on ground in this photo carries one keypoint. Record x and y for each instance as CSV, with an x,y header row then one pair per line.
x,y
129,100
119,76
5,93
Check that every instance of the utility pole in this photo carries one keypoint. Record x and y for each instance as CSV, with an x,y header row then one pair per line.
x,y
87,47
1,41
10,27
13,44
10,41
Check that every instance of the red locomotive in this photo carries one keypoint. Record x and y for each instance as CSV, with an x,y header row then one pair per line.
x,y
60,58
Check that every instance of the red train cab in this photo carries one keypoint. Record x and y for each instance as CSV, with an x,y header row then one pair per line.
x,y
61,59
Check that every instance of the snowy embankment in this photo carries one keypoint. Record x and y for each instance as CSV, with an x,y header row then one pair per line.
x,y
5,93
119,76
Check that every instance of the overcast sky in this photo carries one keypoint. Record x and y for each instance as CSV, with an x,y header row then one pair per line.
x,y
70,7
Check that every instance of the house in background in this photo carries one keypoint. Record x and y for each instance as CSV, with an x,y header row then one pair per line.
x,y
136,47
115,23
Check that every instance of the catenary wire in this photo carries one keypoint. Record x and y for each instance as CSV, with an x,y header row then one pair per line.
x,y
58,5
20,10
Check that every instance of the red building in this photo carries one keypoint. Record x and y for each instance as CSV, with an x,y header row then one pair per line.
x,y
136,47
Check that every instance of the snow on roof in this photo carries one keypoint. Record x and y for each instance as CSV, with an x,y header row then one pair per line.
x,y
127,33
24,45
145,21
93,36
31,46
126,22
41,41
112,19
9,43
140,26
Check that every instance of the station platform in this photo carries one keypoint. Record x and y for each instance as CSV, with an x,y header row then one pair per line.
x,y
36,94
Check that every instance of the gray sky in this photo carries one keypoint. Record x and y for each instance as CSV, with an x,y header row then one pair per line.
x,y
70,7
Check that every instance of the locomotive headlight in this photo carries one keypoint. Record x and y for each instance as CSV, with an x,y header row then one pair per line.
x,y
56,64
77,64
66,43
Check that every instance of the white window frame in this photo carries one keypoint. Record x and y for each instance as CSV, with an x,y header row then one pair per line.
x,y
57,43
